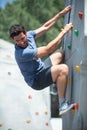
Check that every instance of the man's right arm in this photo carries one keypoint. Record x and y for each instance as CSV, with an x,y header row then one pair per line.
x,y
51,46
50,23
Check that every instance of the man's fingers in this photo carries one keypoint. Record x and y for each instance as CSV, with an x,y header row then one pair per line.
x,y
68,27
68,7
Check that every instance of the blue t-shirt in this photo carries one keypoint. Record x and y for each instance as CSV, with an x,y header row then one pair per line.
x,y
24,57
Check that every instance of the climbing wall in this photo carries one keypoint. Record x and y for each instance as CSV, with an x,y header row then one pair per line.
x,y
75,45
21,108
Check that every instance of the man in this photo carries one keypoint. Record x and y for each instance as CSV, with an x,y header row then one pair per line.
x,y
36,73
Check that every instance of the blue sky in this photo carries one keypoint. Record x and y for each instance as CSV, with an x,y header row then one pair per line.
x,y
3,2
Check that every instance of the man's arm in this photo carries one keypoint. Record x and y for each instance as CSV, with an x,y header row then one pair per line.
x,y
50,23
45,50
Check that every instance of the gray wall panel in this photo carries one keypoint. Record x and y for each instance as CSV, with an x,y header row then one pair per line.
x,y
77,89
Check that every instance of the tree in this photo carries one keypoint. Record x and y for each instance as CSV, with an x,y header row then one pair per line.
x,y
32,14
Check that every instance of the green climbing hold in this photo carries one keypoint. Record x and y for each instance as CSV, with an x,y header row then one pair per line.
x,y
9,129
76,32
69,46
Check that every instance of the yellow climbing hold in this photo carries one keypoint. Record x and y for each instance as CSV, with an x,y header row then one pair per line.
x,y
1,124
46,112
28,121
72,111
78,68
68,82
62,29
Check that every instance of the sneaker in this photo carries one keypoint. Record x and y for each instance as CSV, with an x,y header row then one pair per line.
x,y
65,107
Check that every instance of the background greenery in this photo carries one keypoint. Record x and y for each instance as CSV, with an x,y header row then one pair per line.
x,y
32,14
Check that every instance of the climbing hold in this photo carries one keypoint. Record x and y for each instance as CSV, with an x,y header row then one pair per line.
x,y
9,73
9,129
68,82
76,32
62,29
36,113
78,68
80,14
46,112
69,46
28,121
76,106
47,123
72,111
1,124
30,97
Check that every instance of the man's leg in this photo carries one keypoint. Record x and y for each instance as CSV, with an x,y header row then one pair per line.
x,y
59,75
56,58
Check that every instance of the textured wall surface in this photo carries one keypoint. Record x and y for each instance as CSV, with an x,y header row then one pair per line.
x,y
21,108
75,45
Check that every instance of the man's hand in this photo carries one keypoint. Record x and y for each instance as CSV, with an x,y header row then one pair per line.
x,y
67,28
65,10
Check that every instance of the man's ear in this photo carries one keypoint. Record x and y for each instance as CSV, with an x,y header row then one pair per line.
x,y
25,32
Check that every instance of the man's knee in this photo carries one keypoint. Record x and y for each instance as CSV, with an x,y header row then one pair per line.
x,y
61,51
64,69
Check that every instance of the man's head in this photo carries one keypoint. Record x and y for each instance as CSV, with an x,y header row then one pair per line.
x,y
18,34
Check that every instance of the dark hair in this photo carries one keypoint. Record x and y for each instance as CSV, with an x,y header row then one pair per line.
x,y
16,30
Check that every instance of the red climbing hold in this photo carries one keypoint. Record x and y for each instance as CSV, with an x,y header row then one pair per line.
x,y
47,123
80,14
36,113
30,97
76,106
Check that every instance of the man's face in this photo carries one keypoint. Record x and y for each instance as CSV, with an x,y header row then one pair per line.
x,y
21,40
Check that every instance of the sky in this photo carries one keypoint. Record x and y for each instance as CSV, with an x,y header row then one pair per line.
x,y
3,2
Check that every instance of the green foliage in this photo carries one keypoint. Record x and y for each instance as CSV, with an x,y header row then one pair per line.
x,y
32,14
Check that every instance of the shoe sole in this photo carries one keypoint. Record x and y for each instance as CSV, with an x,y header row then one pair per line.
x,y
70,107
53,93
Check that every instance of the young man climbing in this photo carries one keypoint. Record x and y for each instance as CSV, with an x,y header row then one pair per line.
x,y
36,73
